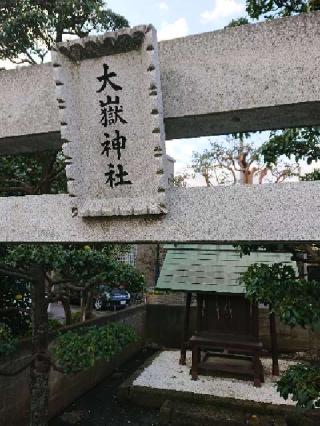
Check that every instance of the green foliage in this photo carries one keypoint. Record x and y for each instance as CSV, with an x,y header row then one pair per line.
x,y
180,181
79,350
15,305
301,303
24,256
73,261
75,317
127,276
29,28
315,175
54,324
237,22
300,143
303,382
264,283
296,301
7,342
32,174
274,8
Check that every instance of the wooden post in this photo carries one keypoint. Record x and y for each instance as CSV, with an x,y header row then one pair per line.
x,y
195,361
185,329
274,344
256,370
199,311
255,319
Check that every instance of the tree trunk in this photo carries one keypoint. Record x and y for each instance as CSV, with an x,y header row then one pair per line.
x,y
83,305
67,310
40,368
89,305
274,344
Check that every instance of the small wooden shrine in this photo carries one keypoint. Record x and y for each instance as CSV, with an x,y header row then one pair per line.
x,y
226,336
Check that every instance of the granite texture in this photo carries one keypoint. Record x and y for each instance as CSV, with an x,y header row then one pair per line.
x,y
278,212
253,77
28,113
232,78
128,60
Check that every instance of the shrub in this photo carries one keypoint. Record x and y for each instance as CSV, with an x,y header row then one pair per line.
x,y
7,342
15,303
303,383
79,350
54,324
126,276
75,317
295,300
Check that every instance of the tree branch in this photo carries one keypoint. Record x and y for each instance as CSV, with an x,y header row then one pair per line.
x,y
15,273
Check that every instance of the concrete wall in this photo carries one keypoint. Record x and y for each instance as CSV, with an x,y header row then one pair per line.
x,y
14,391
165,322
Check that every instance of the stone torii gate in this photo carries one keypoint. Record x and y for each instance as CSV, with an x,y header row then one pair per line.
x,y
253,77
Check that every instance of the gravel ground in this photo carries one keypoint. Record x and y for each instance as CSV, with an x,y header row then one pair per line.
x,y
166,373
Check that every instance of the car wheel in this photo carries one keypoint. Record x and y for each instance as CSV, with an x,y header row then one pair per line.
x,y
98,304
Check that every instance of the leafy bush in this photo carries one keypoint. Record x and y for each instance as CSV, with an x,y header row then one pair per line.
x,y
296,301
315,175
303,382
15,303
79,350
54,324
75,317
7,342
122,274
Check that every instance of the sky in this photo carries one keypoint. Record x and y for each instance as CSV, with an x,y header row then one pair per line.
x,y
178,18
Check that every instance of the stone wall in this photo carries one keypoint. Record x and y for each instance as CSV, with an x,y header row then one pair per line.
x,y
14,391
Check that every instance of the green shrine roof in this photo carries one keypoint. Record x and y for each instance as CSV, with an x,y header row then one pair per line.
x,y
210,268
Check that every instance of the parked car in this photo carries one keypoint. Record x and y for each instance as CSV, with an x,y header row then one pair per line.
x,y
111,298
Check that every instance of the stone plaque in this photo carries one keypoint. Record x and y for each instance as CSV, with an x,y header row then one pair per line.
x,y
109,96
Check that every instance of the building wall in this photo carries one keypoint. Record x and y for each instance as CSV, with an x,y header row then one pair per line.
x,y
149,260
146,262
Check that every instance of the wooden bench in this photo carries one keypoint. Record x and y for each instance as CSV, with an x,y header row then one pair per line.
x,y
232,347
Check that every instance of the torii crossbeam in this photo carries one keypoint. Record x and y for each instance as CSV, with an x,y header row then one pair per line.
x,y
254,77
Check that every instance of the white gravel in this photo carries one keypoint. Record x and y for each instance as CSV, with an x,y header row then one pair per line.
x,y
166,373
